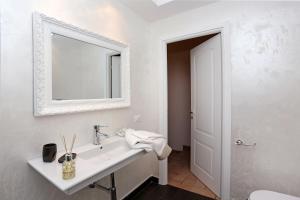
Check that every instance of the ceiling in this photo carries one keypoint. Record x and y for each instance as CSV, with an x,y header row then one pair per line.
x,y
148,10
188,44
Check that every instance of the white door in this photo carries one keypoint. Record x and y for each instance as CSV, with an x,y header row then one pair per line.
x,y
116,76
206,77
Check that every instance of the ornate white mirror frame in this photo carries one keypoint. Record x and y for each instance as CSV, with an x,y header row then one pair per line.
x,y
43,28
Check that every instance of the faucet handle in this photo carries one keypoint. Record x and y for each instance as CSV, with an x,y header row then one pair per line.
x,y
97,127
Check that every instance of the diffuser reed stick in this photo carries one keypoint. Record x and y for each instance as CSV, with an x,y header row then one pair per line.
x,y
73,141
64,142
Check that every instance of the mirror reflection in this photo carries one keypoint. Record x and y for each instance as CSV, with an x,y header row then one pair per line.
x,y
81,70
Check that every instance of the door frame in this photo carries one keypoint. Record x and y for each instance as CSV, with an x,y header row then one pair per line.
x,y
223,29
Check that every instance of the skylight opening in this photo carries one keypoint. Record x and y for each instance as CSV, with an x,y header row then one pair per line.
x,y
161,2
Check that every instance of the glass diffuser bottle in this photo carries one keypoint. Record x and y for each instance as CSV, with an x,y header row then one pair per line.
x,y
68,167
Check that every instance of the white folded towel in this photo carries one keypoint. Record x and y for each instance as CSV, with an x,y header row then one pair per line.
x,y
138,139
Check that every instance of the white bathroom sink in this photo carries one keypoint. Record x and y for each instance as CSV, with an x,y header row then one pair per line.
x,y
92,164
105,152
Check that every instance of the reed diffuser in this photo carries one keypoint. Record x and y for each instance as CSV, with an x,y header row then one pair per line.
x,y
68,166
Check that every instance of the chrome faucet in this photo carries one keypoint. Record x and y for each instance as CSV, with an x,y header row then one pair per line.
x,y
98,134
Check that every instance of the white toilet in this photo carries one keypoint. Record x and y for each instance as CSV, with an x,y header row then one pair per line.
x,y
269,195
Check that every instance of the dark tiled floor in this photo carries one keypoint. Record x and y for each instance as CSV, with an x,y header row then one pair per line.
x,y
154,191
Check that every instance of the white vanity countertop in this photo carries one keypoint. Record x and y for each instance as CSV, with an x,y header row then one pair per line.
x,y
87,171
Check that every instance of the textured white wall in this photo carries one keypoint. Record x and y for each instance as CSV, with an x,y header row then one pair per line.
x,y
23,135
265,46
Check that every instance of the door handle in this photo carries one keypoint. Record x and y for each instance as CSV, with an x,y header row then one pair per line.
x,y
192,114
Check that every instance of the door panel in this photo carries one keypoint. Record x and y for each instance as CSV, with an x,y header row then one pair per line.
x,y
204,92
204,152
206,85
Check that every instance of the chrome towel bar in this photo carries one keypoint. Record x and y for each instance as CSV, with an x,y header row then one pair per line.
x,y
242,143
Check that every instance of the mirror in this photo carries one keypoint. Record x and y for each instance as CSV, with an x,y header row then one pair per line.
x,y
81,70
76,70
